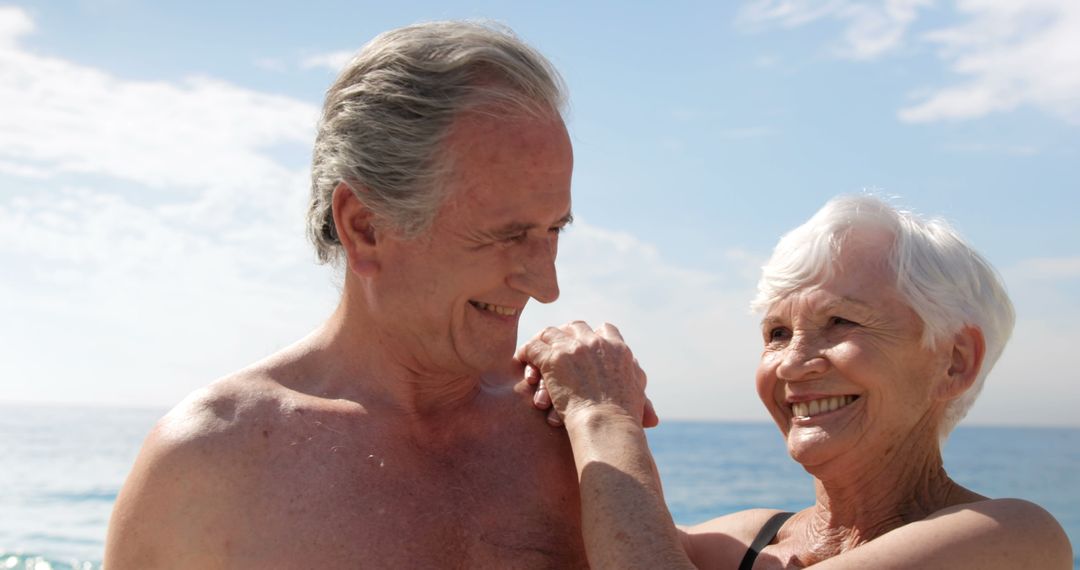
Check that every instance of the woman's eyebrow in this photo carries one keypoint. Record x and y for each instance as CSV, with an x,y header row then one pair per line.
x,y
847,300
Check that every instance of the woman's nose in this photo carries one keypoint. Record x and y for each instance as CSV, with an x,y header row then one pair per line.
x,y
803,359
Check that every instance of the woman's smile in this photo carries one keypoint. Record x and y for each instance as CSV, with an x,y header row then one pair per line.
x,y
807,409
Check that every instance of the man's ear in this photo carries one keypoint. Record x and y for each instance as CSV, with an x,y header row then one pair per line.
x,y
966,359
354,223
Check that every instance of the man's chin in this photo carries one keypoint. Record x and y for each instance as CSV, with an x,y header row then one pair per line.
x,y
506,366
497,360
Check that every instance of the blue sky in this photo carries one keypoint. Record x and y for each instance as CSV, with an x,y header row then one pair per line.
x,y
153,173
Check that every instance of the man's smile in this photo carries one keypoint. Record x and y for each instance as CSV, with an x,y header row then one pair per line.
x,y
498,309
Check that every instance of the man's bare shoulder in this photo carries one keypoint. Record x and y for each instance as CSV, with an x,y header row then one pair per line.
x,y
224,416
188,481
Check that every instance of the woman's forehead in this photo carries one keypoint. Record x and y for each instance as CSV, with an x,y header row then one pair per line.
x,y
866,290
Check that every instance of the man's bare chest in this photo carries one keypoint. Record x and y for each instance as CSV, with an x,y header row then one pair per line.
x,y
510,504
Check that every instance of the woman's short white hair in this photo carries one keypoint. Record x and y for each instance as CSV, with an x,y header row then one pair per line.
x,y
946,282
386,116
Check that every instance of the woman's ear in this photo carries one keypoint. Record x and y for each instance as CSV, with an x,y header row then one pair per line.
x,y
354,223
966,358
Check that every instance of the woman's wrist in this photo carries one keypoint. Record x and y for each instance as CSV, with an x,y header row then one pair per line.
x,y
595,418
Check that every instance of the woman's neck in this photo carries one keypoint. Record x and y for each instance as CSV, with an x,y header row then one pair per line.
x,y
876,493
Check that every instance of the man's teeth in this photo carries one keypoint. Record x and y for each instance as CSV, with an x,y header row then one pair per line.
x,y
505,311
815,407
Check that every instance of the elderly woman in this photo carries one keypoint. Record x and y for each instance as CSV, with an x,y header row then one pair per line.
x,y
879,329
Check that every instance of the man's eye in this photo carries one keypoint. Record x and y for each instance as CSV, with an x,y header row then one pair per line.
x,y
557,229
516,238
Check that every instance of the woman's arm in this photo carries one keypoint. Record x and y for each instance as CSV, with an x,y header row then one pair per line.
x,y
597,388
625,521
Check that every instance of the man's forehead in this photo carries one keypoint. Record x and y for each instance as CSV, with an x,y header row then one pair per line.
x,y
475,135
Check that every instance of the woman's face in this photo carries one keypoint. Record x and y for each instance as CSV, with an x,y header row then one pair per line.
x,y
844,368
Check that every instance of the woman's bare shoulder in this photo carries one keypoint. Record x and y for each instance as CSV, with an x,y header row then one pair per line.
x,y
722,542
986,534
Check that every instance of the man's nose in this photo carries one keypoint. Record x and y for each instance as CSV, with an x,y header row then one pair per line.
x,y
535,271
803,359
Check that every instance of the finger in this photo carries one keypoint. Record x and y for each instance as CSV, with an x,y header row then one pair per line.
x,y
554,419
610,332
537,346
519,354
532,375
649,418
578,329
542,398
552,334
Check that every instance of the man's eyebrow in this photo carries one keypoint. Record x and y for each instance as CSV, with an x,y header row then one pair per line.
x,y
510,230
517,228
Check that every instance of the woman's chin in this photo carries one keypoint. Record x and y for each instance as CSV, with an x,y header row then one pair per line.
x,y
812,445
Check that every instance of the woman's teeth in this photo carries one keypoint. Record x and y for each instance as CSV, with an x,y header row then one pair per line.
x,y
815,407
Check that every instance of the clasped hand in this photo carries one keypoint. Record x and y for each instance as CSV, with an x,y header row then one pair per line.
x,y
579,371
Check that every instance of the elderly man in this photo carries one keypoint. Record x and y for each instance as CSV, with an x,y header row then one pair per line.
x,y
397,434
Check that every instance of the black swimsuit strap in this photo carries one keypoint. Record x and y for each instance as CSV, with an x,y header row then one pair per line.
x,y
763,538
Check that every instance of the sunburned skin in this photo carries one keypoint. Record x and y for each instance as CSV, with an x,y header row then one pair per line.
x,y
398,434
274,475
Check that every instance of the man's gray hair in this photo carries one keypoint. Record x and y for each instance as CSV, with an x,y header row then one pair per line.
x,y
946,282
386,116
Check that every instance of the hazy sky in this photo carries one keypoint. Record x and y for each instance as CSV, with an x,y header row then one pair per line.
x,y
154,173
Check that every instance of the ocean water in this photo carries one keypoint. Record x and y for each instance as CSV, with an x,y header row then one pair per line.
x,y
61,468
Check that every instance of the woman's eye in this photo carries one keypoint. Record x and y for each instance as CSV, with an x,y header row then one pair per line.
x,y
841,321
777,334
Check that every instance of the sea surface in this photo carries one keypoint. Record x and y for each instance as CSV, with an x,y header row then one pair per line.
x,y
61,468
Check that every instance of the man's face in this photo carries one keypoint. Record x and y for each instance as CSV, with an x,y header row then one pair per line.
x,y
450,301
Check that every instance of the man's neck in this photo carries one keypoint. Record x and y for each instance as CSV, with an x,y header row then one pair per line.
x,y
357,364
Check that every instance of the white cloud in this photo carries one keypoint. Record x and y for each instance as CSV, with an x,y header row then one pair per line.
x,y
110,301
180,259
871,29
691,330
194,134
1011,54
1005,54
14,23
110,294
334,61
23,170
114,295
1032,384
789,13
